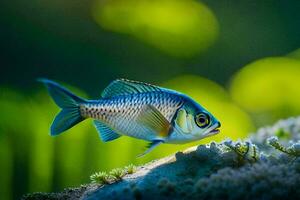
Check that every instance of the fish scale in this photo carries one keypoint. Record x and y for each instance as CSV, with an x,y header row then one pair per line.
x,y
121,112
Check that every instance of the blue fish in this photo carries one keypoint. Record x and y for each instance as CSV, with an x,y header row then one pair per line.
x,y
135,109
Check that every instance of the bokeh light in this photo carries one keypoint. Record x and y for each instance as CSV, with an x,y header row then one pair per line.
x,y
180,28
269,85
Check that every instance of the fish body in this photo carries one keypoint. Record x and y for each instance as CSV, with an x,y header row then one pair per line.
x,y
135,109
122,113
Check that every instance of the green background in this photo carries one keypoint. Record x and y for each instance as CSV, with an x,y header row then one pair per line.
x,y
239,59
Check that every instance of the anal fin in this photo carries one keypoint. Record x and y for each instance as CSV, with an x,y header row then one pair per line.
x,y
151,146
106,133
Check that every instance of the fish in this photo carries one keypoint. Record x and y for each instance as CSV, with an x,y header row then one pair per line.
x,y
136,109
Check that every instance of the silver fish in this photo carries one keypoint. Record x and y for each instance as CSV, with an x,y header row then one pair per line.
x,y
135,109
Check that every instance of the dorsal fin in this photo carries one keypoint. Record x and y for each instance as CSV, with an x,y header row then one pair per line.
x,y
124,86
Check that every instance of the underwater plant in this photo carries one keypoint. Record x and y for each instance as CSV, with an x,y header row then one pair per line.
x,y
100,177
114,175
117,173
245,151
130,169
292,150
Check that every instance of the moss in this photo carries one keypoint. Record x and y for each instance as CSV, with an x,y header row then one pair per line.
x,y
246,152
130,169
114,175
101,178
293,150
117,173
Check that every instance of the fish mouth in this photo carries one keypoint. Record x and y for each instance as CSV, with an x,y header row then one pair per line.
x,y
215,129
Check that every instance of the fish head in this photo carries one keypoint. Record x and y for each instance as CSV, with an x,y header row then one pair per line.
x,y
194,122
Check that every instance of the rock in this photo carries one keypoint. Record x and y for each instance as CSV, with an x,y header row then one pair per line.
x,y
228,170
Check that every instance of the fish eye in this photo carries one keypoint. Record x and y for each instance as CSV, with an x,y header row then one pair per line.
x,y
202,120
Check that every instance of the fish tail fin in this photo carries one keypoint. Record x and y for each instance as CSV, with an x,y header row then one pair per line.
x,y
68,102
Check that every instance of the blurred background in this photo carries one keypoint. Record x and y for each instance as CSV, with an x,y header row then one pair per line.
x,y
239,59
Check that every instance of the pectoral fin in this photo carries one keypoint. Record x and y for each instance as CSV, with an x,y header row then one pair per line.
x,y
151,146
151,118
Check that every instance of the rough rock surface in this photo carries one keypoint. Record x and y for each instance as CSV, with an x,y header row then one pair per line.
x,y
217,171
